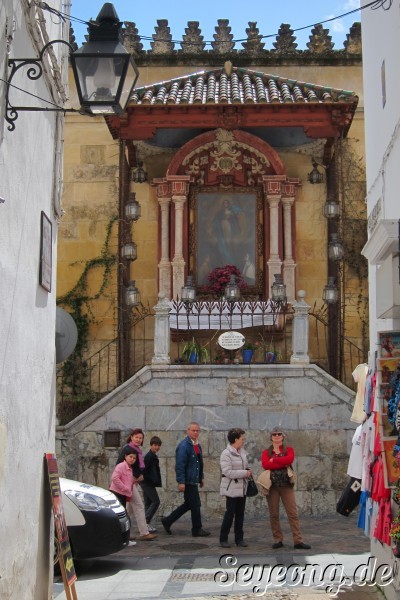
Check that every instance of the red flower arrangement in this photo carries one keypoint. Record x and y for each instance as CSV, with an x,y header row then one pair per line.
x,y
220,277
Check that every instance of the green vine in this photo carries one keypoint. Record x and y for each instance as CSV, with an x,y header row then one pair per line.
x,y
78,301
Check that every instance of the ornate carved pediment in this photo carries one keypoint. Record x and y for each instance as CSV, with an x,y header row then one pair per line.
x,y
226,158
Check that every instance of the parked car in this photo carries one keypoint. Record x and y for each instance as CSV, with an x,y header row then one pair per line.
x,y
97,522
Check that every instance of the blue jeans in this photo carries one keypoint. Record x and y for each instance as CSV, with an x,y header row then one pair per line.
x,y
191,502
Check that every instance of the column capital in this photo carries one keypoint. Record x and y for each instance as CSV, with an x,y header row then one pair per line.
x,y
273,184
273,201
179,200
179,184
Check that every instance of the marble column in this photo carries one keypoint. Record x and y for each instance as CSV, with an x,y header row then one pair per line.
x,y
274,261
178,263
164,266
161,332
289,266
300,331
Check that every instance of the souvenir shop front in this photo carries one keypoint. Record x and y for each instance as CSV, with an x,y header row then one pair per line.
x,y
374,463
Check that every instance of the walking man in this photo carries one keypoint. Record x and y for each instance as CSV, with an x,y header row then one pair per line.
x,y
189,475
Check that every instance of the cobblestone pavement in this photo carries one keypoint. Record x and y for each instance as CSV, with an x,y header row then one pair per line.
x,y
180,567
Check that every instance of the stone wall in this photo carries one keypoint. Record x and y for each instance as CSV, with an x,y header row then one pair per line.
x,y
312,407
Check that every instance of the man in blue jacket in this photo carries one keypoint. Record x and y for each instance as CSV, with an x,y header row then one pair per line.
x,y
189,475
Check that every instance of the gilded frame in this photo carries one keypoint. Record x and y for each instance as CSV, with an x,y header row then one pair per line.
x,y
226,227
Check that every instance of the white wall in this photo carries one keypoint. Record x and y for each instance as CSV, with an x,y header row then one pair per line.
x,y
27,332
381,44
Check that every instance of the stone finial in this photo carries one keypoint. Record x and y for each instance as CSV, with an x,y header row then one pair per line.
x,y
192,40
228,68
223,38
353,42
162,38
131,38
253,45
285,40
320,42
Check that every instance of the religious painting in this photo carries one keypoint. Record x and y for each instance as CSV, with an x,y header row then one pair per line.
x,y
226,226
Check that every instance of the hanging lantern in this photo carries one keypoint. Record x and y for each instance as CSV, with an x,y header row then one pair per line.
x,y
331,208
132,208
335,248
315,176
278,290
139,175
232,290
132,294
188,293
330,292
129,251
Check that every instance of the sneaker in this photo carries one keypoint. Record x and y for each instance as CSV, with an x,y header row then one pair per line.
x,y
131,543
277,545
151,529
302,546
166,526
201,533
148,537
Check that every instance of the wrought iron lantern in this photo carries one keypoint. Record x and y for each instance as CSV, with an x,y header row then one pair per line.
x,y
132,294
330,292
129,251
105,73
232,290
139,175
315,176
331,208
335,248
133,210
188,293
278,290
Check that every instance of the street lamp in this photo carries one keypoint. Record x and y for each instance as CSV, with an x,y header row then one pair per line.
x,y
315,176
278,290
129,251
188,292
330,292
335,248
105,73
133,210
132,294
232,290
331,208
139,175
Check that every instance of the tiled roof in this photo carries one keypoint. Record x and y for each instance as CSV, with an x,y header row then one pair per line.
x,y
232,85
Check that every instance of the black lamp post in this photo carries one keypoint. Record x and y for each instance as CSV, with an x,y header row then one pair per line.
x,y
330,292
315,176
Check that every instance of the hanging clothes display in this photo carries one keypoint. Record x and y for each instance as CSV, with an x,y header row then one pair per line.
x,y
359,376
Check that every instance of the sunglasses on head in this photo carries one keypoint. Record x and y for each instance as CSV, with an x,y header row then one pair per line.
x,y
277,433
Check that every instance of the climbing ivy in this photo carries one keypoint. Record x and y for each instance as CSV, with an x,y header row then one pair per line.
x,y
78,302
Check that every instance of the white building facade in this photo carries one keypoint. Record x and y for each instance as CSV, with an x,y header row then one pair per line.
x,y
30,188
381,47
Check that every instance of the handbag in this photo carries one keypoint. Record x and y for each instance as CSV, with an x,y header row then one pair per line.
x,y
350,497
252,489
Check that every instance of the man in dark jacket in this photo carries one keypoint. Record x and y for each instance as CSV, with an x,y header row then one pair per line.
x,y
189,475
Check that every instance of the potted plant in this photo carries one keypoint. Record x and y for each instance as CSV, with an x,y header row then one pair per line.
x,y
248,352
194,353
270,355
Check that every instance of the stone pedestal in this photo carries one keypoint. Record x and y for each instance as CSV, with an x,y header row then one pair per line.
x,y
300,331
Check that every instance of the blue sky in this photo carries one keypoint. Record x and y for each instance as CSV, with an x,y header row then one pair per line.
x,y
269,15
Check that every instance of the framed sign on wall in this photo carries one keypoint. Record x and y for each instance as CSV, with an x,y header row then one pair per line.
x,y
45,266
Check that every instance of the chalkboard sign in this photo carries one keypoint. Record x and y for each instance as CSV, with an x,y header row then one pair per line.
x,y
61,531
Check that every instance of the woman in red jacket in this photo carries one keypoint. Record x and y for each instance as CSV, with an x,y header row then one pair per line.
x,y
276,459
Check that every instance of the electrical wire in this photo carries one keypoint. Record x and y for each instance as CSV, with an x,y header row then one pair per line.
x,y
374,5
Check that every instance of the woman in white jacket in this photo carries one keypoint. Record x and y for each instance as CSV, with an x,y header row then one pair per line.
x,y
235,473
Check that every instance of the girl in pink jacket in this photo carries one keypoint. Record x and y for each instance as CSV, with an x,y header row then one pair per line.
x,y
122,477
